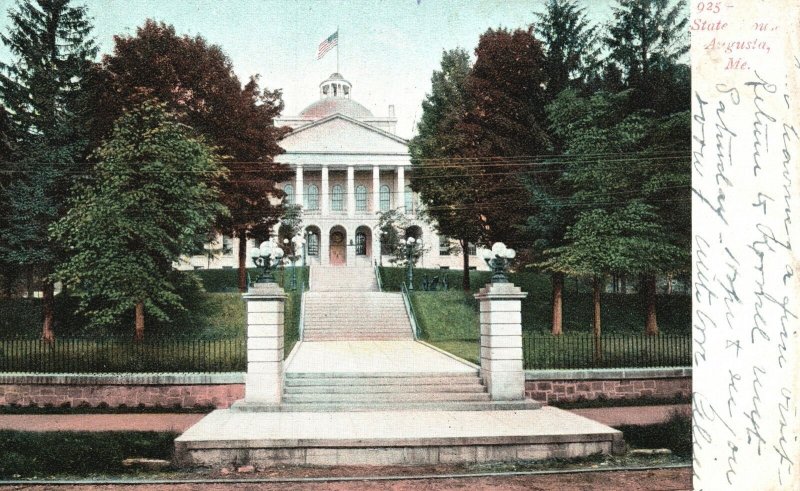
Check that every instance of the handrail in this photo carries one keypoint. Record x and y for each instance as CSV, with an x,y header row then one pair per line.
x,y
412,316
377,276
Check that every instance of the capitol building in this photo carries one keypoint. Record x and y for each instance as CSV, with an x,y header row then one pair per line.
x,y
349,164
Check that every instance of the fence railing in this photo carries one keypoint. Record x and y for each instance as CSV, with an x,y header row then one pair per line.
x,y
544,351
412,316
116,355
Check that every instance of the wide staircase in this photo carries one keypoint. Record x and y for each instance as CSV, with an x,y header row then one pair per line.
x,y
345,308
345,304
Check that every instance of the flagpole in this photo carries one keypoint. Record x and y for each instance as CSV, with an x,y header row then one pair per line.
x,y
337,49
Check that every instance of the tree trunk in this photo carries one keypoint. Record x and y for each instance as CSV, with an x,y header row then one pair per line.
x,y
139,329
465,276
596,288
624,284
558,290
48,308
651,325
242,234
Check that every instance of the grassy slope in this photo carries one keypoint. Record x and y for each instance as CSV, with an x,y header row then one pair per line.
x,y
449,319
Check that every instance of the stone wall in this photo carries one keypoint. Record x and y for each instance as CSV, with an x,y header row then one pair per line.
x,y
576,385
221,390
131,390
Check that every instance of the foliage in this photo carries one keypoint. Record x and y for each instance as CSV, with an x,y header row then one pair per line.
x,y
40,454
45,135
633,170
291,225
197,83
152,192
443,180
504,126
647,40
674,434
571,47
392,225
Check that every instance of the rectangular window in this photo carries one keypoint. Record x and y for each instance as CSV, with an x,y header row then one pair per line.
x,y
471,251
227,245
444,246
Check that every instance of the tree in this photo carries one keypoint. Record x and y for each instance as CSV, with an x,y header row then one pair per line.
x,y
647,39
196,82
601,242
43,93
504,126
153,191
628,166
291,225
571,49
444,181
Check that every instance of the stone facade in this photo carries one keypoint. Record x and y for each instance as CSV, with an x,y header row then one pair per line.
x,y
348,165
553,391
166,396
222,390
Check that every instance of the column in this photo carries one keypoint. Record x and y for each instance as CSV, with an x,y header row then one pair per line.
x,y
324,195
501,341
400,201
264,379
376,189
298,187
324,247
351,191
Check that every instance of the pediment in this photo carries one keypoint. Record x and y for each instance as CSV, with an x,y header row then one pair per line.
x,y
341,134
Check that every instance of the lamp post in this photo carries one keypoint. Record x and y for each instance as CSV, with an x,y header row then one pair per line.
x,y
266,256
410,259
381,241
498,259
297,242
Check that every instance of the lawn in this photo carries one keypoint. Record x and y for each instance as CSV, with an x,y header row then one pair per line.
x,y
41,454
208,336
449,320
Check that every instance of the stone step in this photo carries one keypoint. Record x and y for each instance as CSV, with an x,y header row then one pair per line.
x,y
338,398
385,389
360,382
315,407
356,337
352,377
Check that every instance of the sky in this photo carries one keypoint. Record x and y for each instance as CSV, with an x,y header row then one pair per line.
x,y
387,49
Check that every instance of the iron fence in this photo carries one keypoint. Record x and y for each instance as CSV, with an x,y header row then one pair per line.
x,y
545,351
116,355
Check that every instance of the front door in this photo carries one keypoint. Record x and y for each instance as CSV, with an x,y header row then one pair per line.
x,y
338,253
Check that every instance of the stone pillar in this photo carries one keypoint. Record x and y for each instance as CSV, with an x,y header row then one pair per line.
x,y
324,247
298,192
264,380
351,191
400,201
324,195
501,341
376,189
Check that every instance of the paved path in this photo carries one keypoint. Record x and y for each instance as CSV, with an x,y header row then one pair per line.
x,y
637,415
372,356
658,479
612,416
99,422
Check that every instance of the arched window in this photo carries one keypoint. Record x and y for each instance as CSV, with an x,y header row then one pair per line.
x,y
361,243
312,243
337,198
361,198
385,198
289,190
409,199
312,197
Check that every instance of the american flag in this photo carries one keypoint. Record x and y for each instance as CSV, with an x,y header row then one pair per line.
x,y
328,44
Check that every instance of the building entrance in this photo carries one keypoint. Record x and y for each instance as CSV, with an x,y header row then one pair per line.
x,y
338,252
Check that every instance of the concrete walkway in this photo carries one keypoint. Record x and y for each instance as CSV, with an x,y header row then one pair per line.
x,y
372,357
99,422
612,416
